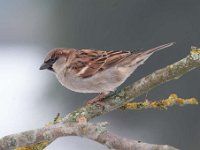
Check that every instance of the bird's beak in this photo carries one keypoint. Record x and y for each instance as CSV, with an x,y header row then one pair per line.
x,y
45,66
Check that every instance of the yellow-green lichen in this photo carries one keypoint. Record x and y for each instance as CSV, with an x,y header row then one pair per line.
x,y
173,99
37,146
195,53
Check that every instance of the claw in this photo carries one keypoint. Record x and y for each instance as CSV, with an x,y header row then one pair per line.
x,y
98,98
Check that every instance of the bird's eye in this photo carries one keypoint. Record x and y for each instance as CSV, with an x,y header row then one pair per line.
x,y
52,60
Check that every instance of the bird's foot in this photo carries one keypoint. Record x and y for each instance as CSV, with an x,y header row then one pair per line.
x,y
97,99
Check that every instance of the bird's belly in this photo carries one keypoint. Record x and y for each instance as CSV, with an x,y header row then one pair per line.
x,y
102,82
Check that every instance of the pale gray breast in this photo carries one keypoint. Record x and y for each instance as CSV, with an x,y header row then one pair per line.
x,y
104,81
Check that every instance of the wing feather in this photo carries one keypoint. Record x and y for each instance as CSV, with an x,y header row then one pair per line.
x,y
89,62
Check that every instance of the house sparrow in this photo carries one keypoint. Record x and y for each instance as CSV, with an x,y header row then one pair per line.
x,y
94,71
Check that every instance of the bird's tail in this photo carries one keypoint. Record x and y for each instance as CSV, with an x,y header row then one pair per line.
x,y
136,59
152,50
140,58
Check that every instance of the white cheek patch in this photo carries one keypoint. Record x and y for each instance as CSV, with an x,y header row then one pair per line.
x,y
59,65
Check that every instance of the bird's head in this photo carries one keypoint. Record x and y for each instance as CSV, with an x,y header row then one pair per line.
x,y
56,59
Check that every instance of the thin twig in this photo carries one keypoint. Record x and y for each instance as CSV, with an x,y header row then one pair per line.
x,y
172,100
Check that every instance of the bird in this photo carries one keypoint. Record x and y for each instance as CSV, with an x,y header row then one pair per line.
x,y
95,71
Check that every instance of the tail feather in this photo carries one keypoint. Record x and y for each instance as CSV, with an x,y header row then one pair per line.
x,y
152,50
136,59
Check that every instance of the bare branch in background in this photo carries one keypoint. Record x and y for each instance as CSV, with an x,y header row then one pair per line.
x,y
96,132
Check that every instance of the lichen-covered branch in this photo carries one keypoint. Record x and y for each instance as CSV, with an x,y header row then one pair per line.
x,y
119,98
172,100
96,132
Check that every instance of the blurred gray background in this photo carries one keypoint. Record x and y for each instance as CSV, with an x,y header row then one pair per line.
x,y
30,98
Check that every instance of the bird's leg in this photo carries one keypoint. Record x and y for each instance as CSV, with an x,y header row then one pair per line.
x,y
97,98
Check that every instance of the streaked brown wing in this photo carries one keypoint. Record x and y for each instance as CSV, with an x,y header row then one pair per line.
x,y
88,62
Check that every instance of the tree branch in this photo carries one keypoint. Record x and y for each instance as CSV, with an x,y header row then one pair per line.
x,y
96,132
